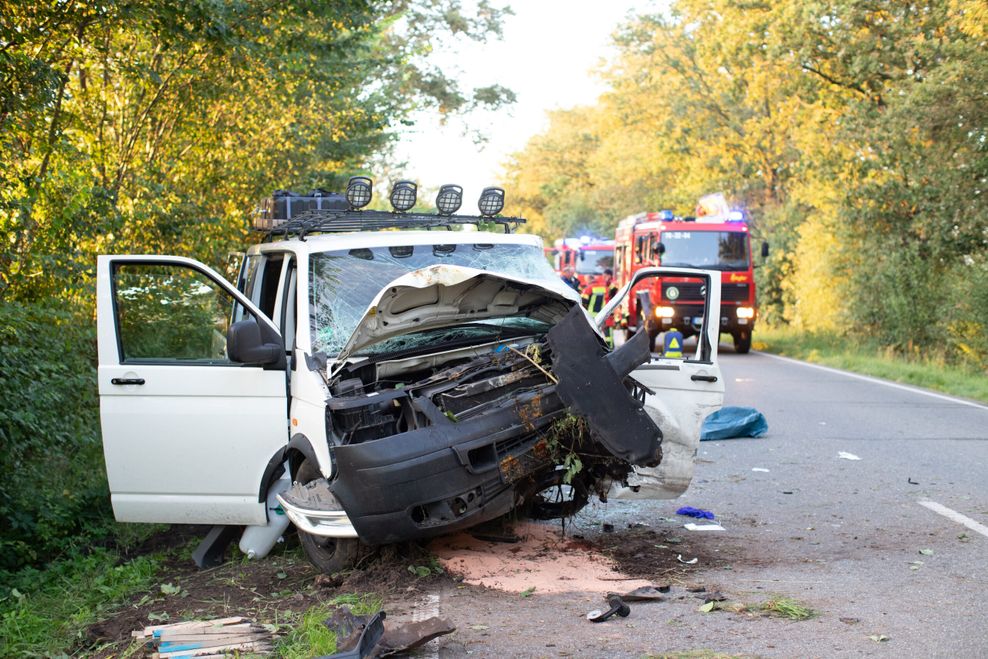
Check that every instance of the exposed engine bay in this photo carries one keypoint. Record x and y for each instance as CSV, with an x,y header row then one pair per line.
x,y
538,424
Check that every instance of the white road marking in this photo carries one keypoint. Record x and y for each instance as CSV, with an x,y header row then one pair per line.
x,y
868,378
955,516
428,607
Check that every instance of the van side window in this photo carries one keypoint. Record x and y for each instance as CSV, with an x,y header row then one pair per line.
x,y
170,313
266,297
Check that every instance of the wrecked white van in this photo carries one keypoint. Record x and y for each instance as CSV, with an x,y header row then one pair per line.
x,y
376,377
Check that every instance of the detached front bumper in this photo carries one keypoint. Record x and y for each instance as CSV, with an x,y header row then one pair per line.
x,y
453,474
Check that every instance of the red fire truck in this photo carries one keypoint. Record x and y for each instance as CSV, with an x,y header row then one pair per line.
x,y
718,241
588,257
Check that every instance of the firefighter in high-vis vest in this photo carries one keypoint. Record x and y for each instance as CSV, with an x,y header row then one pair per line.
x,y
596,294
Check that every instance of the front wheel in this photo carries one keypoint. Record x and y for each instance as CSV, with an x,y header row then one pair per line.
x,y
328,554
742,342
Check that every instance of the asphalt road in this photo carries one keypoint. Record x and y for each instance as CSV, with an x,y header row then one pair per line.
x,y
843,537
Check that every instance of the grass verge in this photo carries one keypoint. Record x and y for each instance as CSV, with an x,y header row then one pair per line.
x,y
310,637
46,611
868,357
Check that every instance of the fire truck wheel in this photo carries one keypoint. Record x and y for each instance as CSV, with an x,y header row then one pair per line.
x,y
742,342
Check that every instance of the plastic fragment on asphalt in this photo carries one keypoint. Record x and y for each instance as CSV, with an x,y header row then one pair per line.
x,y
844,455
690,526
733,422
692,561
699,513
760,469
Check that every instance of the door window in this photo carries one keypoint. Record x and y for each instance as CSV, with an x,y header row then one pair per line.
x,y
170,313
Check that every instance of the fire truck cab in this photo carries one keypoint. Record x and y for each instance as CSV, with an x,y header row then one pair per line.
x,y
719,242
588,257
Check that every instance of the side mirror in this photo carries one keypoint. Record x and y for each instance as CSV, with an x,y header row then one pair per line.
x,y
660,248
248,342
764,249
583,255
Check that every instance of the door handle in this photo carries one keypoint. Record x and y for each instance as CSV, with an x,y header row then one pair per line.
x,y
703,378
127,381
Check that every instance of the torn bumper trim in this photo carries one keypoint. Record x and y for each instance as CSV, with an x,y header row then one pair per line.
x,y
326,523
587,378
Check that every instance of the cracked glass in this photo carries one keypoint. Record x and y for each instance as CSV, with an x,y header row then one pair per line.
x,y
343,284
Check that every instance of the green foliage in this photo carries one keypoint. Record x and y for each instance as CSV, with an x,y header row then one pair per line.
x,y
787,607
53,496
155,126
925,368
856,134
43,612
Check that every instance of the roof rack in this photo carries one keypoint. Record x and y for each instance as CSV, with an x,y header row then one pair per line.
x,y
342,221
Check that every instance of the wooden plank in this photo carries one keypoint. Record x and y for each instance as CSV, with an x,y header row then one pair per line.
x,y
149,631
257,647
182,637
172,646
226,629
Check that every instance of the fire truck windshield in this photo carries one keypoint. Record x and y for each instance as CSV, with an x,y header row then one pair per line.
x,y
711,250
594,261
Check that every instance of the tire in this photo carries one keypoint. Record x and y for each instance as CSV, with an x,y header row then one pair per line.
x,y
742,342
328,554
554,499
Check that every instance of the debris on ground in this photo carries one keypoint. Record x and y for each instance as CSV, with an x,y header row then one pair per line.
x,y
733,422
699,513
367,636
715,596
760,469
911,481
844,455
879,638
618,607
644,594
692,561
690,526
206,638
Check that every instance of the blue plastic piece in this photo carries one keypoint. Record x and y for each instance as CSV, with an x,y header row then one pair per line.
x,y
731,422
699,513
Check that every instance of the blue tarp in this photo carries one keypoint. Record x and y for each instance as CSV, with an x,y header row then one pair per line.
x,y
730,422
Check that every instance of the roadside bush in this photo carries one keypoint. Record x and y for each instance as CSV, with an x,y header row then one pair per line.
x,y
53,497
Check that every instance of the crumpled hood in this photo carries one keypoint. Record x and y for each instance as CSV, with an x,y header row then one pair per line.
x,y
445,296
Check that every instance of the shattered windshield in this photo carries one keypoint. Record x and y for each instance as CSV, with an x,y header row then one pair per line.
x,y
343,284
471,333
711,250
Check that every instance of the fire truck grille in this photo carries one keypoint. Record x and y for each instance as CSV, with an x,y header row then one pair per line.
x,y
694,291
734,292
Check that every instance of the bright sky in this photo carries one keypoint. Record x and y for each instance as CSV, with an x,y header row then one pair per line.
x,y
547,57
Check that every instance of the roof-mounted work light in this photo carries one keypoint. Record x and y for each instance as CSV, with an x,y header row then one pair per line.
x,y
358,191
735,216
403,195
449,199
491,201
